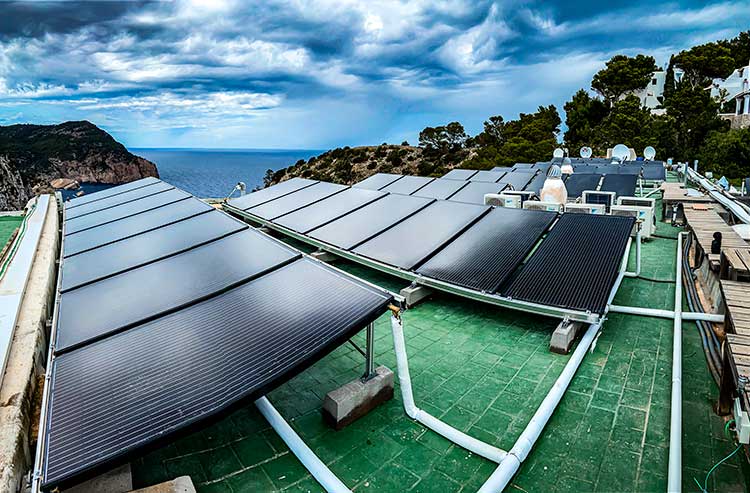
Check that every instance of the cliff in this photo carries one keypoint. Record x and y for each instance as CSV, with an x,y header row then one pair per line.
x,y
31,156
349,165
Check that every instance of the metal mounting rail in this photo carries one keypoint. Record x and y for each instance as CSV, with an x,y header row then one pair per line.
x,y
491,298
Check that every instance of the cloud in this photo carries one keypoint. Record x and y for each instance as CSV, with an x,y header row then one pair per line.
x,y
293,73
220,103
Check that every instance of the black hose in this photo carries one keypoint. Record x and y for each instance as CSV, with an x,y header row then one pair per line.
x,y
650,279
699,308
709,341
704,328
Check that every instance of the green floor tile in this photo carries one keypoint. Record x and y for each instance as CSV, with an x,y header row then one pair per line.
x,y
485,370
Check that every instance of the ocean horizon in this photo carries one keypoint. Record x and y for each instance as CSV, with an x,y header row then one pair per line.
x,y
214,172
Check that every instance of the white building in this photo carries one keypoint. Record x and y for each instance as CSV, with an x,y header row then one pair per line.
x,y
729,88
735,87
652,96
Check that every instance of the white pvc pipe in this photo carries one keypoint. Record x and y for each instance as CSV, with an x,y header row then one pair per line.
x,y
637,255
312,463
652,192
456,436
654,312
674,479
721,197
508,467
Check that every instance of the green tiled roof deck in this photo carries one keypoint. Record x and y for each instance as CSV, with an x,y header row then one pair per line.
x,y
8,224
484,370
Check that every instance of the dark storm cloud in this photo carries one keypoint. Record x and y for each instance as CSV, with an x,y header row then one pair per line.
x,y
35,19
359,69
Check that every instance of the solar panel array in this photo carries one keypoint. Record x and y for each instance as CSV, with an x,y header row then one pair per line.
x,y
577,264
576,184
649,170
622,185
463,243
458,185
171,311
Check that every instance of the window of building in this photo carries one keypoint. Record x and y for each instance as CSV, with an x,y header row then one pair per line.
x,y
653,82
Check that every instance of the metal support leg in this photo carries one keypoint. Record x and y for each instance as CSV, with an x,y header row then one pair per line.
x,y
370,354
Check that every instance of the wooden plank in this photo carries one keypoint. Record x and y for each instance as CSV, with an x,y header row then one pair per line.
x,y
741,350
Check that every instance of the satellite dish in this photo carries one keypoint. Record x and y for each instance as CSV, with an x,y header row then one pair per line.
x,y
558,153
586,152
649,153
621,152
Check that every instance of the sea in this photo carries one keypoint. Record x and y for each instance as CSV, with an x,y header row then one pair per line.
x,y
213,173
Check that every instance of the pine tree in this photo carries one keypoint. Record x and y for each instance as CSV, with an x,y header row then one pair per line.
x,y
669,83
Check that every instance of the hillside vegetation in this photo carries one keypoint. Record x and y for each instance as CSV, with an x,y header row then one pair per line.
x,y
31,156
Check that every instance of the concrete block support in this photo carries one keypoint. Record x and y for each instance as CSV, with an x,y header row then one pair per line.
x,y
414,294
117,480
183,484
355,399
563,337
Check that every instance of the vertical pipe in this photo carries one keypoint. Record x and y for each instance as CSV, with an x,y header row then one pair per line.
x,y
407,396
370,353
674,480
312,463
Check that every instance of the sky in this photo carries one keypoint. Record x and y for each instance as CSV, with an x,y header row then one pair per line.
x,y
320,74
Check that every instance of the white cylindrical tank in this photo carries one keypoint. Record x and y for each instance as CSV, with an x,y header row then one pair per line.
x,y
554,189
567,167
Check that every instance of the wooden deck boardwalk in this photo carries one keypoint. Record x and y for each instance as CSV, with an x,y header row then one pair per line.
x,y
675,192
736,352
704,221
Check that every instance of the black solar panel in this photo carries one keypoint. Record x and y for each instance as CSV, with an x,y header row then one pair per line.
x,y
460,174
327,210
440,189
608,169
576,265
474,192
584,169
296,200
273,192
86,199
145,248
121,211
140,294
378,181
133,225
488,176
412,240
577,183
488,252
518,179
544,167
620,184
407,185
654,172
117,396
366,222
536,183
629,169
118,199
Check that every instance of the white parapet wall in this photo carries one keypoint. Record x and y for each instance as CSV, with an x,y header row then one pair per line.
x,y
26,299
